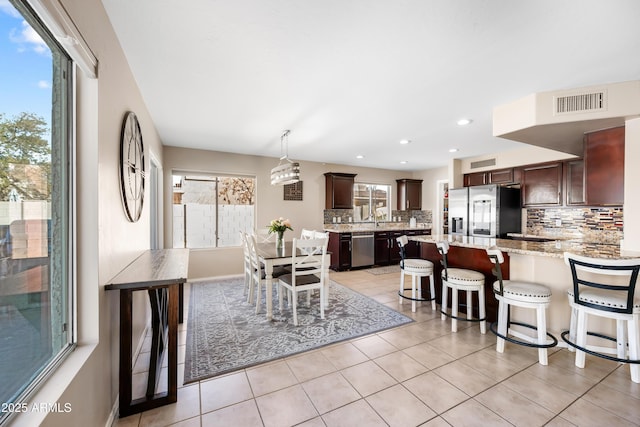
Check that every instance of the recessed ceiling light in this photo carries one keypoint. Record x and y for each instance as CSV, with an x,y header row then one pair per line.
x,y
359,156
405,141
464,122
453,150
403,162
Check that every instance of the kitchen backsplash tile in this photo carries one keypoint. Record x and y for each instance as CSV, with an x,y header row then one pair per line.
x,y
424,216
598,225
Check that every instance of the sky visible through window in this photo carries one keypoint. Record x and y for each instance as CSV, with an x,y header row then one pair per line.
x,y
25,67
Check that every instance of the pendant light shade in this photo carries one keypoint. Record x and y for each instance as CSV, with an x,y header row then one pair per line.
x,y
287,171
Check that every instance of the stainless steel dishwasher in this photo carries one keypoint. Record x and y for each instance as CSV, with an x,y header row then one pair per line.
x,y
362,249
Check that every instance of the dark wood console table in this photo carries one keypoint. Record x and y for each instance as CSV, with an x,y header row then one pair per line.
x,y
162,273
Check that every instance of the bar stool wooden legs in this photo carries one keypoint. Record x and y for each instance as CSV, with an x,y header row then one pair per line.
x,y
460,279
520,294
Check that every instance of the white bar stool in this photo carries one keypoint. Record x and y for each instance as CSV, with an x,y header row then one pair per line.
x,y
521,294
417,268
461,279
605,288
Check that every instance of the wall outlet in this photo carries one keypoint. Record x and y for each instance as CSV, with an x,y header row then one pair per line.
x,y
558,223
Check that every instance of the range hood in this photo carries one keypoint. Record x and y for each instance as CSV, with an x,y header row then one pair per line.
x,y
558,120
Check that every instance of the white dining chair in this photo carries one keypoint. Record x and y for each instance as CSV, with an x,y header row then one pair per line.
x,y
246,253
308,273
320,234
307,234
263,235
258,275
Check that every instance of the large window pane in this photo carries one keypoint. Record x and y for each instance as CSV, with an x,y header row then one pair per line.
x,y
210,211
34,202
371,202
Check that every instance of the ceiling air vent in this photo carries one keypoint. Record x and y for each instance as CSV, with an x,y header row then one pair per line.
x,y
483,163
581,103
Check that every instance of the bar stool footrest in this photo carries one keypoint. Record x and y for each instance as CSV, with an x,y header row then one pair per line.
x,y
565,334
493,328
462,318
414,299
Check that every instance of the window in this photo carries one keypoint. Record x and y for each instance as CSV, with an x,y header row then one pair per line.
x,y
210,211
35,203
371,202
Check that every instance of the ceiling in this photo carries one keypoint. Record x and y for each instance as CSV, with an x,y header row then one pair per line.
x,y
354,77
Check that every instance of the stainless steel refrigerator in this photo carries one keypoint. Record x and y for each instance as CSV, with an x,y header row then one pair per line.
x,y
484,211
494,211
459,211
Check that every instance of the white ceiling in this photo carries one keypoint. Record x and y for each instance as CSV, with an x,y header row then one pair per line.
x,y
351,77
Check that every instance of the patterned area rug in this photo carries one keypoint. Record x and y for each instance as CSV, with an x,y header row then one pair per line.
x,y
224,333
384,270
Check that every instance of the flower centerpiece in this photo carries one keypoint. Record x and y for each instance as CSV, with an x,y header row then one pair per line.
x,y
279,226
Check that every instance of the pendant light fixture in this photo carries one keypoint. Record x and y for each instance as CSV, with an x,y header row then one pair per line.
x,y
287,171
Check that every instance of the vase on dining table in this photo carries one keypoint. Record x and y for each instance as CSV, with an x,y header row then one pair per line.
x,y
280,240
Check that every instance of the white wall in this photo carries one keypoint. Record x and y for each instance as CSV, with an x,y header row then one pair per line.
x,y
523,155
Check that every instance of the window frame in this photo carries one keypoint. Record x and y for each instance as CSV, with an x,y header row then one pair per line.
x,y
371,187
217,176
63,196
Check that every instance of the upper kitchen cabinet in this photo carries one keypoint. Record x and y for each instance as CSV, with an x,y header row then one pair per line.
x,y
542,184
574,182
409,194
477,178
339,190
604,167
498,176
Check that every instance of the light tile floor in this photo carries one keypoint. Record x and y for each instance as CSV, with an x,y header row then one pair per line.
x,y
416,374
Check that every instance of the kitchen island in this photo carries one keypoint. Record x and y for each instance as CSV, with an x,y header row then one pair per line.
x,y
540,262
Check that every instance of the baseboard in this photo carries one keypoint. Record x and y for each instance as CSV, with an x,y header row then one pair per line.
x,y
208,279
112,421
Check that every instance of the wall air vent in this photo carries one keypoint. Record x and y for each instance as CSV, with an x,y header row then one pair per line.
x,y
580,103
482,163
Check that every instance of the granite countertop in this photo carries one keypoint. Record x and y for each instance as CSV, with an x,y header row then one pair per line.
x,y
555,248
370,226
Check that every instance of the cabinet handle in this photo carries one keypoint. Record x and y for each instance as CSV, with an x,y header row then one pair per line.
x,y
407,204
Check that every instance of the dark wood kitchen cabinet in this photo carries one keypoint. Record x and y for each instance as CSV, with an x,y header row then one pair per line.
x,y
412,249
498,176
339,190
477,178
604,167
340,248
541,185
574,180
409,194
501,176
386,247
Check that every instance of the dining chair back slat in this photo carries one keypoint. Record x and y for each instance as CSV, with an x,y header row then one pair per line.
x,y
308,272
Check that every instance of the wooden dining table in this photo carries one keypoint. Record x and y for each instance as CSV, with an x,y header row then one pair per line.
x,y
270,256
